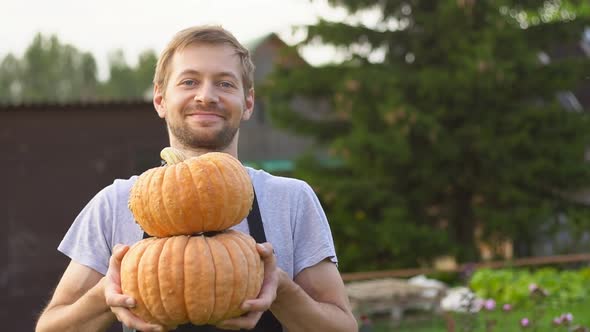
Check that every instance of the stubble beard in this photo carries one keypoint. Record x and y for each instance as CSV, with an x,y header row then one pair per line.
x,y
217,141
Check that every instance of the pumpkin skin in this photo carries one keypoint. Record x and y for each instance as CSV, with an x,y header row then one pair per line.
x,y
198,279
208,193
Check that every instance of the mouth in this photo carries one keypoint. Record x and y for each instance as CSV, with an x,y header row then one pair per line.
x,y
208,116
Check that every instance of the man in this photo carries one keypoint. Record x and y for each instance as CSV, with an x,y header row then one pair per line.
x,y
203,90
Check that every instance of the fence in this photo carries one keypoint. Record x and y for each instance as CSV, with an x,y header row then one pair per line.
x,y
519,262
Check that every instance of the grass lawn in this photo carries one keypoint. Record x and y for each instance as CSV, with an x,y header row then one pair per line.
x,y
503,321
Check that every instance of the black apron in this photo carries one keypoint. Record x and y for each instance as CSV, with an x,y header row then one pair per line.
x,y
268,322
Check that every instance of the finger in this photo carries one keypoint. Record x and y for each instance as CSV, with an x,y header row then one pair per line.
x,y
266,297
115,262
119,300
114,270
265,249
267,255
247,321
264,300
267,293
132,321
259,304
119,251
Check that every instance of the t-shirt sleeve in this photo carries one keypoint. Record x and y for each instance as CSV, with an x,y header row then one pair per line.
x,y
313,240
87,242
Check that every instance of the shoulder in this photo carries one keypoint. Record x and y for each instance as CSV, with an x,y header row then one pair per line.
x,y
268,182
118,188
119,185
282,193
114,196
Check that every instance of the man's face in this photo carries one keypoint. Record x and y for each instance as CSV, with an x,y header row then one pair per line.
x,y
204,101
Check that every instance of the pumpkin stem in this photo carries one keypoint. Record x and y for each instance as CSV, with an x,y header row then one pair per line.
x,y
172,156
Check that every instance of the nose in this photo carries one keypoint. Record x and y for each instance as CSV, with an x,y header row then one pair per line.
x,y
206,94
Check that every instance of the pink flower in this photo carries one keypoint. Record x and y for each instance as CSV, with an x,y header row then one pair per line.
x,y
567,318
507,307
557,321
525,322
533,287
489,304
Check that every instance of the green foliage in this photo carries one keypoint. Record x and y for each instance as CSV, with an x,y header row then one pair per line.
x,y
443,119
48,68
126,81
512,285
51,71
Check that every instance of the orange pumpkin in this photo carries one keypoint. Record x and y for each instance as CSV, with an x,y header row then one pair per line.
x,y
211,192
198,279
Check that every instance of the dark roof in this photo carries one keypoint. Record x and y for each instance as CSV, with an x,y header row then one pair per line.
x,y
253,44
78,105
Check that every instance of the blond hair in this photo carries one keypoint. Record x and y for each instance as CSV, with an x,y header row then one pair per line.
x,y
208,35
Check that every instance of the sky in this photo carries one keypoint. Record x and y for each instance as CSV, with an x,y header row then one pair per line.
x,y
100,27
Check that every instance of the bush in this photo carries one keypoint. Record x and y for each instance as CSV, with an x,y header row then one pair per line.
x,y
512,285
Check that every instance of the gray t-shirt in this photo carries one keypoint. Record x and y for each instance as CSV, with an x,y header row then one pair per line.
x,y
293,220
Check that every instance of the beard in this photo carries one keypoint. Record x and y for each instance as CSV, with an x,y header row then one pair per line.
x,y
214,141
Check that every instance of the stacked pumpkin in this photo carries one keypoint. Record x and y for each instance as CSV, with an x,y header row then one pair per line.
x,y
194,269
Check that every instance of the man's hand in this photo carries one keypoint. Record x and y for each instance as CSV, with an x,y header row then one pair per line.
x,y
115,299
267,295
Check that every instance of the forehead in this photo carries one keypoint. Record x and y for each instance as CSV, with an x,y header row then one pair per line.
x,y
207,59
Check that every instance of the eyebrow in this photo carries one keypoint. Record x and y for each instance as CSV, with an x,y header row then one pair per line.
x,y
220,74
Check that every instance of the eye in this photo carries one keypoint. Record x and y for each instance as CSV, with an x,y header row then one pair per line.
x,y
189,83
226,84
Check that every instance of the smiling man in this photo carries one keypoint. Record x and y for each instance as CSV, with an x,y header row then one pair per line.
x,y
204,101
203,89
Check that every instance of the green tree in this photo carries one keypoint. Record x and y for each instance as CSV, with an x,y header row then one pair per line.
x,y
10,86
127,82
146,66
445,123
48,71
54,71
51,71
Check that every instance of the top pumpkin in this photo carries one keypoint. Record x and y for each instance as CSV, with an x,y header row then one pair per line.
x,y
212,192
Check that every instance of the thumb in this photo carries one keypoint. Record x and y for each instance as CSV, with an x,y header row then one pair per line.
x,y
119,250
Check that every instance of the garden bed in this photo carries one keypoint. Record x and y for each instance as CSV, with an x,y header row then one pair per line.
x,y
545,299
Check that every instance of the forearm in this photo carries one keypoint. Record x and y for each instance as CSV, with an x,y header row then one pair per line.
x,y
89,313
297,311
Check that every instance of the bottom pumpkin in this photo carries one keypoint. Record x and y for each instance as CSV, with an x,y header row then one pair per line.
x,y
197,279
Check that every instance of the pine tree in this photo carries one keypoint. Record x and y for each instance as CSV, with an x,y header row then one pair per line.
x,y
444,123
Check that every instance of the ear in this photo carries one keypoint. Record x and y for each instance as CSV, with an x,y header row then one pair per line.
x,y
159,102
249,107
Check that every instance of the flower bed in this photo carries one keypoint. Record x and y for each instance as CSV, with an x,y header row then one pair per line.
x,y
515,300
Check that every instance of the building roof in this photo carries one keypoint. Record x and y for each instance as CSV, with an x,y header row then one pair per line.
x,y
253,44
77,105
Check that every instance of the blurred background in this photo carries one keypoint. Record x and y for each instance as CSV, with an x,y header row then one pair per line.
x,y
448,142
